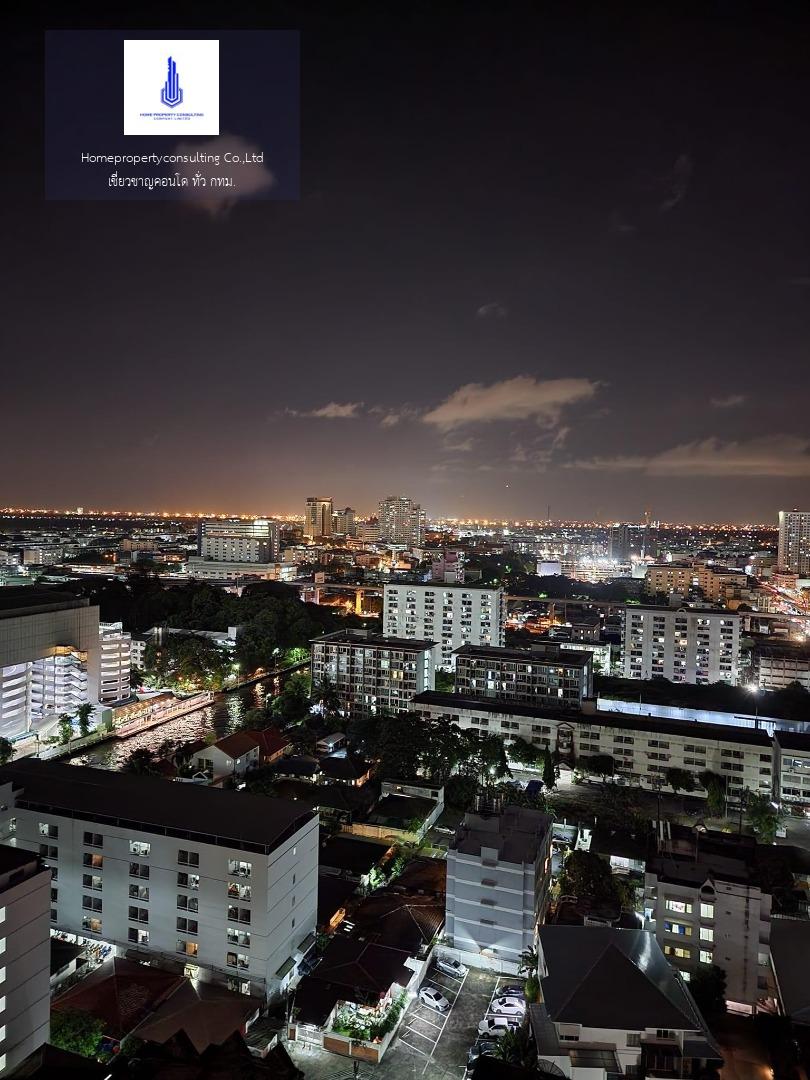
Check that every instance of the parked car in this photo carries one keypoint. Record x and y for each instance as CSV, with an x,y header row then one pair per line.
x,y
516,990
429,995
477,1050
495,1027
451,967
508,1006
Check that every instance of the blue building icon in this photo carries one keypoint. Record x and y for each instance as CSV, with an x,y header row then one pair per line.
x,y
171,94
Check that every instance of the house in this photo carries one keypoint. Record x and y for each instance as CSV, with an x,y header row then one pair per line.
x,y
412,921
343,768
232,756
330,743
651,1028
273,744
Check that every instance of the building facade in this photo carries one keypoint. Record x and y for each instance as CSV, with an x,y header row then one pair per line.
x,y
401,521
453,615
544,675
344,522
25,956
239,541
116,663
371,672
318,517
498,870
208,570
686,644
794,542
221,880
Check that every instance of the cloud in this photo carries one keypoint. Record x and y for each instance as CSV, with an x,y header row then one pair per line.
x,y
731,401
677,183
392,417
520,398
249,179
463,446
335,410
767,455
493,309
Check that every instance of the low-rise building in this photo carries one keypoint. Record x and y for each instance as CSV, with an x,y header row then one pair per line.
x,y
546,674
778,665
498,868
792,767
223,881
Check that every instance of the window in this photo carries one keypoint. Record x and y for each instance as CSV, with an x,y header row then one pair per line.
x,y
238,937
238,914
91,903
139,892
678,928
706,933
187,903
138,847
91,924
188,948
90,881
237,960
138,914
188,881
187,926
138,936
188,858
237,868
96,862
664,1033
241,892
48,851
139,870
93,839
705,956
682,907
633,1038
51,831
706,911
678,952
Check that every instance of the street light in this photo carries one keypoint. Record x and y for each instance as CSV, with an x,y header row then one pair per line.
x,y
753,689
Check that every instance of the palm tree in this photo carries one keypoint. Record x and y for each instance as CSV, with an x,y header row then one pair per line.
x,y
83,714
529,959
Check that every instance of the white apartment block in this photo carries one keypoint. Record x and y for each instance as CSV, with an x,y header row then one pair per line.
x,y
212,570
642,747
685,644
546,674
116,663
223,881
453,615
49,657
239,541
25,956
371,672
498,870
703,907
792,767
794,542
777,666
401,521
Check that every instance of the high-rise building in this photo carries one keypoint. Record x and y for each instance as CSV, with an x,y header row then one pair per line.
x,y
343,522
794,541
25,963
220,880
619,543
497,887
371,672
239,541
318,517
453,615
116,663
544,675
401,521
685,644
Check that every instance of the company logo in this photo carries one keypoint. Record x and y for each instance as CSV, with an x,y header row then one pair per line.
x,y
171,94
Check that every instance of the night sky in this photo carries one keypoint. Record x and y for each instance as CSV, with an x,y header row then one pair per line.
x,y
559,259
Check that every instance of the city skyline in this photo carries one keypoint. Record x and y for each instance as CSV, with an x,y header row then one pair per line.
x,y
517,294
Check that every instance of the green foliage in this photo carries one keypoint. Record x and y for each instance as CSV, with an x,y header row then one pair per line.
x,y
518,1048
326,696
293,703
83,715
549,770
444,681
186,663
76,1030
598,765
765,818
524,753
679,779
586,875
715,786
460,792
65,730
6,751
708,987
141,761
532,989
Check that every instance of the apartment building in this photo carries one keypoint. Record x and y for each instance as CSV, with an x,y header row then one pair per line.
x,y
401,521
223,881
239,541
543,675
25,956
702,903
49,656
679,578
643,748
792,767
498,869
115,664
613,1006
371,672
776,666
318,517
686,644
211,570
453,615
794,542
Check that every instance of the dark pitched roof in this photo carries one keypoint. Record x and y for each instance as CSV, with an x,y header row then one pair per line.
x,y
362,966
405,921
344,768
151,804
237,744
424,875
583,961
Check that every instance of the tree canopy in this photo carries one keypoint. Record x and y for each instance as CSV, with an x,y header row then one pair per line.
x,y
76,1030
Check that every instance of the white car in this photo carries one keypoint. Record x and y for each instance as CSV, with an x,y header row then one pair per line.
x,y
508,1006
495,1027
451,967
429,995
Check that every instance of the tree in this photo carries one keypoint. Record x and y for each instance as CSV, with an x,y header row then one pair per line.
x,y
679,779
549,770
765,818
599,765
518,1048
326,696
586,875
76,1030
6,750
293,703
444,681
65,728
141,761
83,714
708,987
715,786
524,753
528,961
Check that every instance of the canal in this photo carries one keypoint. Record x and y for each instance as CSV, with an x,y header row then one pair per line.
x,y
222,716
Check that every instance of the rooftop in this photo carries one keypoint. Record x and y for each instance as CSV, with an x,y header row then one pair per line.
x,y
517,834
349,853
31,600
547,653
366,639
151,804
